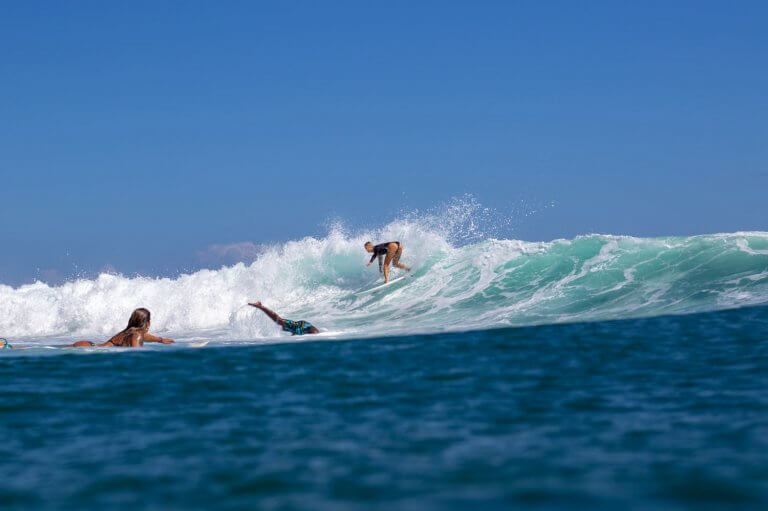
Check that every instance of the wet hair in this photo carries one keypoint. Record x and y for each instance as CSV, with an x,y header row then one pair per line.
x,y
139,320
138,323
368,243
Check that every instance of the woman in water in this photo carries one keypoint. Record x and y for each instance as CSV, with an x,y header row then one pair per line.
x,y
132,336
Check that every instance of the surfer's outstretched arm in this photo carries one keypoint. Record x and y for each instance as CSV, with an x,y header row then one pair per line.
x,y
153,338
272,314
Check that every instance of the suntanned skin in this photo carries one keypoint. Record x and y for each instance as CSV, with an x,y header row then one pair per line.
x,y
137,340
274,317
394,251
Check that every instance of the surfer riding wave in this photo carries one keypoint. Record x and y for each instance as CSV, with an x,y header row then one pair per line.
x,y
387,253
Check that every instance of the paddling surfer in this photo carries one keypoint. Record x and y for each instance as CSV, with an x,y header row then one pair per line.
x,y
387,253
132,336
294,327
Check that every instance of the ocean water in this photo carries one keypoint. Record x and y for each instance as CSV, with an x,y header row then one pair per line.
x,y
659,413
486,283
603,372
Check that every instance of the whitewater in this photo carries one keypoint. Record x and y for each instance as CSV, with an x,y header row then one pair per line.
x,y
485,283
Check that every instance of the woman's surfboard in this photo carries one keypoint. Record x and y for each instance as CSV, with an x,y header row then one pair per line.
x,y
380,286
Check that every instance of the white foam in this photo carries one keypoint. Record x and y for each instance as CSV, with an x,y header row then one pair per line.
x,y
485,284
744,247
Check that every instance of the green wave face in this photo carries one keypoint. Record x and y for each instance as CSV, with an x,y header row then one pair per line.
x,y
595,277
486,284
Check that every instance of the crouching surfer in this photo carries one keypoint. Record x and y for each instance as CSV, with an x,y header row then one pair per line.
x,y
294,327
132,336
387,253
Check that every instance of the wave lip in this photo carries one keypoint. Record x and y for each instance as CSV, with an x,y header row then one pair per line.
x,y
482,284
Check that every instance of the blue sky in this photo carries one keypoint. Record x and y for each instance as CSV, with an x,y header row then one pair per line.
x,y
136,134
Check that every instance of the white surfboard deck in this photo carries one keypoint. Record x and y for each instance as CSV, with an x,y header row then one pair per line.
x,y
380,286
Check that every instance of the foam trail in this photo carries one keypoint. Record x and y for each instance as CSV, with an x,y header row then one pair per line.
x,y
483,284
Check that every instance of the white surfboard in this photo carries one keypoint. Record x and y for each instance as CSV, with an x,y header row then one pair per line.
x,y
380,286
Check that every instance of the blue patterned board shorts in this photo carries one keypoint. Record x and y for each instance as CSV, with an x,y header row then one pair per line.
x,y
297,327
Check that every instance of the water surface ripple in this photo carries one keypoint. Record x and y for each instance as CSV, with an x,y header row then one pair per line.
x,y
657,413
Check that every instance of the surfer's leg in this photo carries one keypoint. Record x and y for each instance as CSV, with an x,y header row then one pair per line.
x,y
396,259
82,344
387,261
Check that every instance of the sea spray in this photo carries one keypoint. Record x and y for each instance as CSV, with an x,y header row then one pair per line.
x,y
484,284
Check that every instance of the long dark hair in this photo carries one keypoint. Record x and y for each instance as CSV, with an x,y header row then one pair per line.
x,y
139,320
137,324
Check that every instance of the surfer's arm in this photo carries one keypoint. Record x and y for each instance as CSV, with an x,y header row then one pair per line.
x,y
374,256
153,338
272,314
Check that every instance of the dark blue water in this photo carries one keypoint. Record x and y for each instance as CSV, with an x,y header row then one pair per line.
x,y
662,413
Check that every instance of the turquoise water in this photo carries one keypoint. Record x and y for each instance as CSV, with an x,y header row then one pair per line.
x,y
666,412
602,372
485,284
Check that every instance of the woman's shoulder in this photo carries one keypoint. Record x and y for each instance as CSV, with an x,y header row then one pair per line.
x,y
125,338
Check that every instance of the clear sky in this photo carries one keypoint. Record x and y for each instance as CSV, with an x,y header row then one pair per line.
x,y
136,134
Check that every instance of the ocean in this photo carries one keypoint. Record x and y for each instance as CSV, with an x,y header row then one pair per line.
x,y
601,372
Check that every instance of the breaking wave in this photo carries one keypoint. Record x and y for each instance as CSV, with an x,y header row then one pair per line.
x,y
477,284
